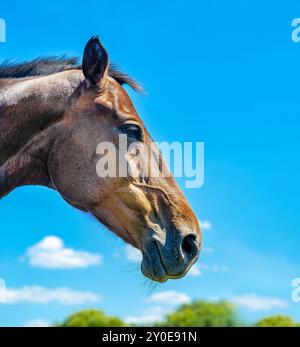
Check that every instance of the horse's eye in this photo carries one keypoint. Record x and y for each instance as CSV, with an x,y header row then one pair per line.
x,y
132,130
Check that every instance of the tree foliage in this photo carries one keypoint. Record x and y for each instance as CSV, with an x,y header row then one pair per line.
x,y
196,314
276,321
92,318
203,314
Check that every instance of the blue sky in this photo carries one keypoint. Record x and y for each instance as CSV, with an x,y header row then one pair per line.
x,y
223,73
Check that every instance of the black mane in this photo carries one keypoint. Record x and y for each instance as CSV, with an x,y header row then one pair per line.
x,y
50,65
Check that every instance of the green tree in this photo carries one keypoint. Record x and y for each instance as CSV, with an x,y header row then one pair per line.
x,y
203,314
92,318
276,321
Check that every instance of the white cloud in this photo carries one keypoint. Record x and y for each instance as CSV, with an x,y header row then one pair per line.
x,y
149,316
141,320
39,322
205,224
42,295
219,268
195,271
199,269
255,302
133,254
204,267
50,253
208,250
165,303
169,298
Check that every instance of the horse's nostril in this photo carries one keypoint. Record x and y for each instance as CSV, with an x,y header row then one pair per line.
x,y
189,245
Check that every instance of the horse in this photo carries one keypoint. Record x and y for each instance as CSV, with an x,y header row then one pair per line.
x,y
53,114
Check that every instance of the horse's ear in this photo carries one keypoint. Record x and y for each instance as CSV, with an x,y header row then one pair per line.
x,y
95,60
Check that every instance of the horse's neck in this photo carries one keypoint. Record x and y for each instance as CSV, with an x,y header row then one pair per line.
x,y
28,110
29,106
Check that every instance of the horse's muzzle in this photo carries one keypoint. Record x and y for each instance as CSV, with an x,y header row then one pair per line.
x,y
164,261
